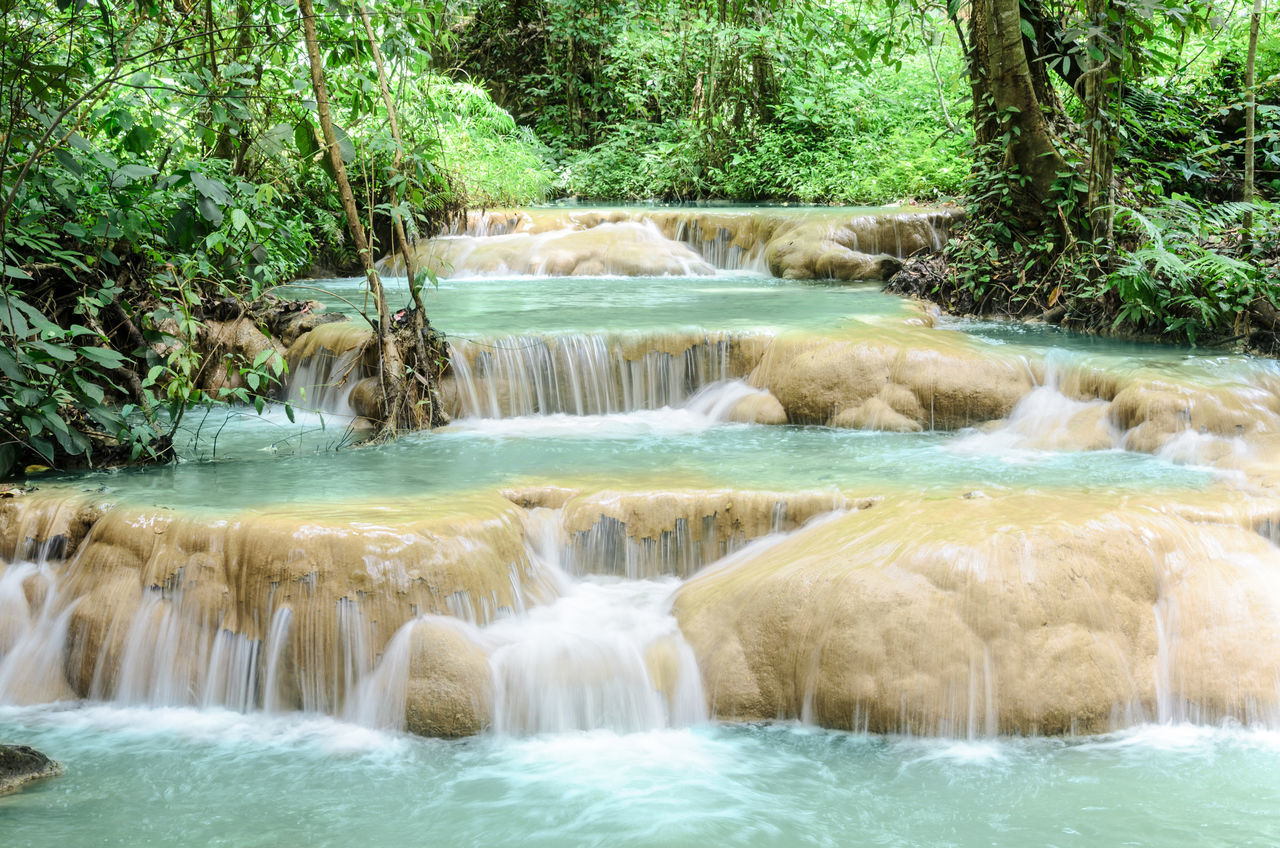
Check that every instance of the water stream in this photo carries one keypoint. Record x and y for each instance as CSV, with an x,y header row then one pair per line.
x,y
685,517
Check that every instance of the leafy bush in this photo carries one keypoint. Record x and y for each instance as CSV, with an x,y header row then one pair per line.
x,y
1181,278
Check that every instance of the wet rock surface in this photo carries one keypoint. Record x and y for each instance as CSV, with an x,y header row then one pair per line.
x,y
20,765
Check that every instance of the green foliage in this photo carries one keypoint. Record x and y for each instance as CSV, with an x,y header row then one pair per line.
x,y
494,161
871,137
1181,278
155,164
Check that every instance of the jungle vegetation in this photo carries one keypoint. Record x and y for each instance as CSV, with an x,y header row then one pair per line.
x,y
164,165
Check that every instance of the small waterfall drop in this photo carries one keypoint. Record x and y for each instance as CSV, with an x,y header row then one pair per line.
x,y
606,653
580,375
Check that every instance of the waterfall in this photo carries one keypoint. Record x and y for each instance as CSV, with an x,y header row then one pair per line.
x,y
580,374
601,655
670,241
605,655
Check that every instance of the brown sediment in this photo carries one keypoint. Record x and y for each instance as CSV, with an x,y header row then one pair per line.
x,y
1026,613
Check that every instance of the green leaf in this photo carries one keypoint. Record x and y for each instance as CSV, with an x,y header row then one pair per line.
x,y
91,390
9,366
304,137
55,351
209,211
8,456
1027,29
101,355
42,446
66,160
212,189
131,173
239,219
345,146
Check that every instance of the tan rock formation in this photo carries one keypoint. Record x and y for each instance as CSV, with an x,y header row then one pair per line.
x,y
1021,614
788,240
646,534
758,408
450,690
150,593
228,346
915,375
627,249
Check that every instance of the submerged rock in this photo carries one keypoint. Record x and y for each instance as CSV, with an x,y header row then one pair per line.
x,y
20,765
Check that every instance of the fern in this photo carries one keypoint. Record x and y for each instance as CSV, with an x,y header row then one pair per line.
x,y
1176,280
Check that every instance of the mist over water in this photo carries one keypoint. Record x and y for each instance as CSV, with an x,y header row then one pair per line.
x,y
188,777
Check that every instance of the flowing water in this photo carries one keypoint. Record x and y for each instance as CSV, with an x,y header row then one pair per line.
x,y
692,508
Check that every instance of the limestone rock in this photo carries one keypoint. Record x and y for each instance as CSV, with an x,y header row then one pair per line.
x,y
1018,614
917,375
450,689
758,408
149,580
242,340
623,248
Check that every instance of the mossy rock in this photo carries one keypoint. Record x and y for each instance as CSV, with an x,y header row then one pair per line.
x,y
20,765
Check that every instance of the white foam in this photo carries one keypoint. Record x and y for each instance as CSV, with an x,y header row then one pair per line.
x,y
211,726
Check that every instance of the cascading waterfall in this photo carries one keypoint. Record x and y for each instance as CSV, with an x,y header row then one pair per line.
x,y
582,601
824,243
605,655
602,654
579,375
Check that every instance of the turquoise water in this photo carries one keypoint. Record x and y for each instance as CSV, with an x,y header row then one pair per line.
x,y
484,308
182,777
632,450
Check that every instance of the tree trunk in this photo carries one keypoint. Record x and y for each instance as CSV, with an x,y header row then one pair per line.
x,y
390,365
429,412
1250,112
1096,88
1013,132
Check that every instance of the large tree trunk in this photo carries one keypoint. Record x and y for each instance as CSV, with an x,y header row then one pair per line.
x,y
1097,87
390,363
1013,125
1250,111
